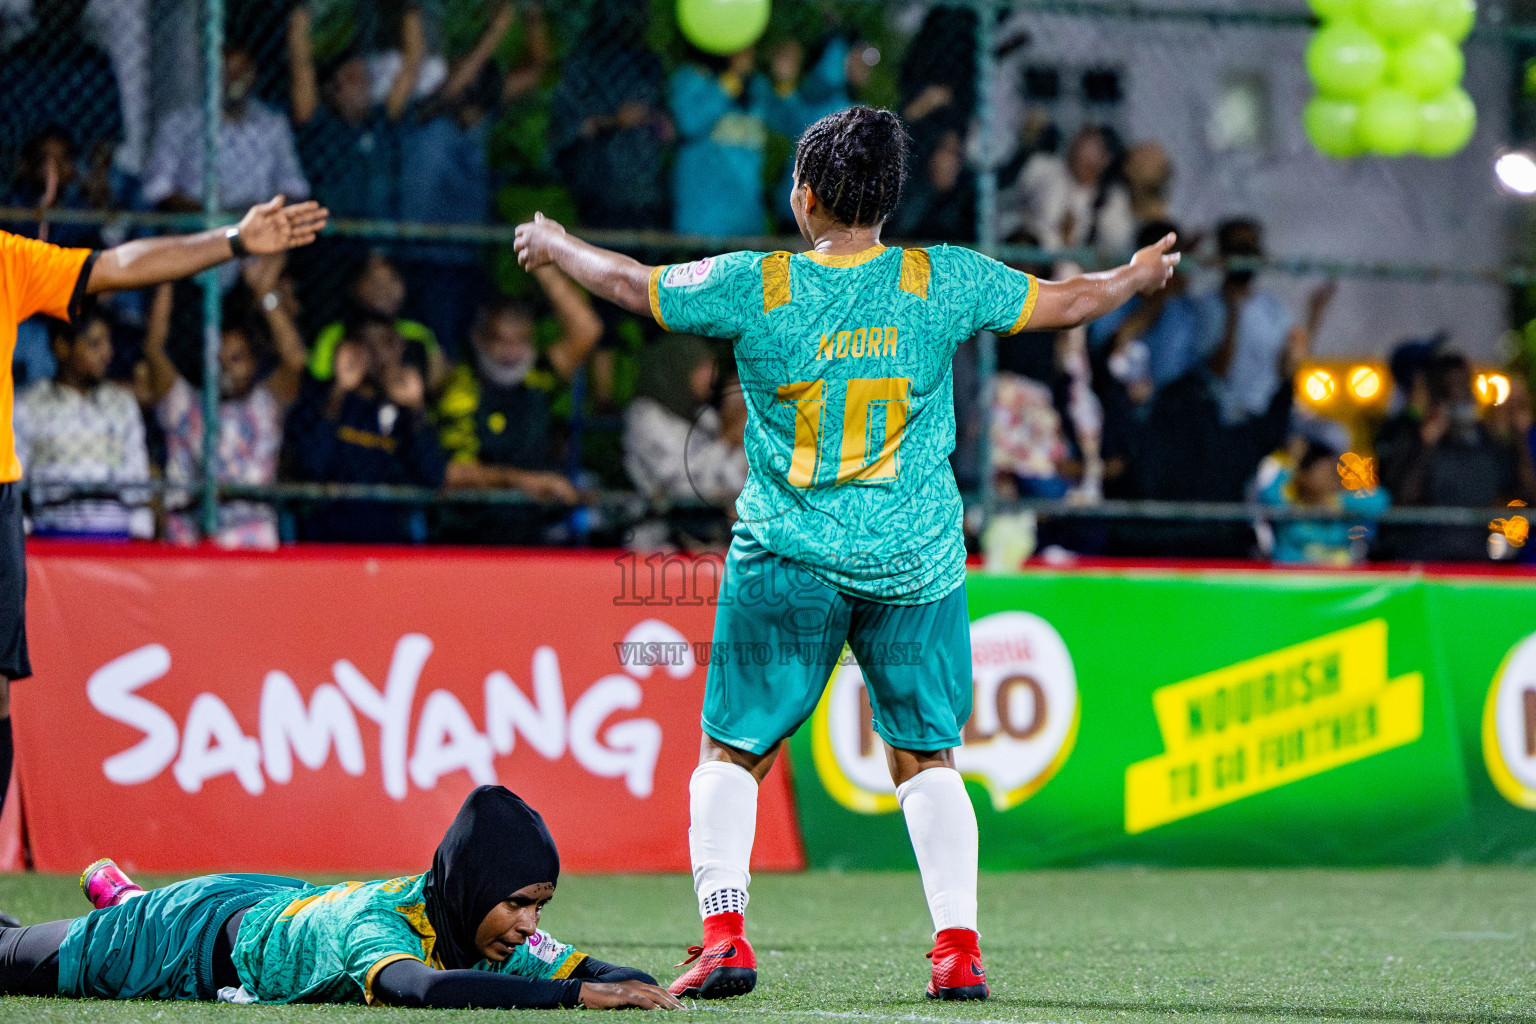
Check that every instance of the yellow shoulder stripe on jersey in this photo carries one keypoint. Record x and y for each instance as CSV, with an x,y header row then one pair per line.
x,y
379,965
1029,306
656,297
915,271
775,281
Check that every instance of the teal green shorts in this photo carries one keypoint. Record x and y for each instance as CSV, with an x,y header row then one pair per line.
x,y
160,945
779,632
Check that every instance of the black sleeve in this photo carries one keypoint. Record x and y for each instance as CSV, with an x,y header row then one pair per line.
x,y
413,983
593,969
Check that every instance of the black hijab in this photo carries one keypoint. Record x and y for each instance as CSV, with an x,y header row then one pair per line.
x,y
496,845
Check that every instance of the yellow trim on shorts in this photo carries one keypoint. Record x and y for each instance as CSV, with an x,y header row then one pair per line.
x,y
916,268
775,281
379,965
655,290
1029,306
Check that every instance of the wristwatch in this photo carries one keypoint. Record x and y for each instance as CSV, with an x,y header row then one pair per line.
x,y
236,243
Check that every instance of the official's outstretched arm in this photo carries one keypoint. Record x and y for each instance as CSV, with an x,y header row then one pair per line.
x,y
270,227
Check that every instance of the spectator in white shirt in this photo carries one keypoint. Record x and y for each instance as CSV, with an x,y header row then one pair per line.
x,y
679,447
257,156
1076,202
81,428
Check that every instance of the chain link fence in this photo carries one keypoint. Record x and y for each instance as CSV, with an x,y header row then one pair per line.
x,y
1047,132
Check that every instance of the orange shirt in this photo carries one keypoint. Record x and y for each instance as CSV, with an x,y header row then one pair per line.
x,y
35,277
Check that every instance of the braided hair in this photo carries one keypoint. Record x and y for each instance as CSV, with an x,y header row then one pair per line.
x,y
855,161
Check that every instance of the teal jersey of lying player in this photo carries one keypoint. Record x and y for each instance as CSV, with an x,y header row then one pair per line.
x,y
329,943
846,368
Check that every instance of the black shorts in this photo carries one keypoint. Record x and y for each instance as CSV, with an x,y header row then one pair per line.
x,y
14,662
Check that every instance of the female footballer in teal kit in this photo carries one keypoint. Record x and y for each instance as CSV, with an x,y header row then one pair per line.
x,y
849,525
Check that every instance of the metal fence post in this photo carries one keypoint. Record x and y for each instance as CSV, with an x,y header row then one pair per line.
x,y
213,113
987,242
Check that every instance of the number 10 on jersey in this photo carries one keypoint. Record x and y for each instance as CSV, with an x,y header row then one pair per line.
x,y
859,460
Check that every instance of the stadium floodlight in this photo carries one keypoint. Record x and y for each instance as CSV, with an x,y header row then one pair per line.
x,y
1319,386
1516,171
1364,383
1493,388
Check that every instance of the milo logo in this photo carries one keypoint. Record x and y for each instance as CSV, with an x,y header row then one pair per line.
x,y
1509,726
1022,727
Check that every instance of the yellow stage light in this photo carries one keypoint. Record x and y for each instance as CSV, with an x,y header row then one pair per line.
x,y
1364,383
1493,388
1319,386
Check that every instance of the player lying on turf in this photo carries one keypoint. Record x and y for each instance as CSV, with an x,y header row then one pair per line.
x,y
850,522
465,934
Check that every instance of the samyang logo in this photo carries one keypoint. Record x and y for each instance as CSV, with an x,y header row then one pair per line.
x,y
212,742
1022,728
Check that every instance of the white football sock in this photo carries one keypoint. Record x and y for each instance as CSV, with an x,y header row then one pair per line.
x,y
942,824
722,811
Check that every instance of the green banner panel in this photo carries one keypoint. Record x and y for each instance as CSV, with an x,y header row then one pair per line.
x,y
1211,718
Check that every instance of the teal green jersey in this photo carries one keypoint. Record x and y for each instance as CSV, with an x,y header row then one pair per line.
x,y
329,943
846,367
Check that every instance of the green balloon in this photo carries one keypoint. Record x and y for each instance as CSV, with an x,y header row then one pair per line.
x,y
1448,121
722,27
1453,18
1333,126
1389,122
1396,19
1345,61
1426,65
1333,10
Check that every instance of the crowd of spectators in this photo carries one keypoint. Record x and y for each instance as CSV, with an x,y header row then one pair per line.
x,y
428,364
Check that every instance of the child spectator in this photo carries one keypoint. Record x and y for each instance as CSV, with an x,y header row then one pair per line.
x,y
446,176
257,158
377,289
250,408
679,447
496,419
81,428
608,127
366,425
720,109
1315,481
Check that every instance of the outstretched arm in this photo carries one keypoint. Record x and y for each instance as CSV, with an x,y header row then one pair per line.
x,y
268,228
1085,297
413,983
609,275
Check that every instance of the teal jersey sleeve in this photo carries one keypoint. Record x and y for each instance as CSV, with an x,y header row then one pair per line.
x,y
542,957
981,293
375,939
718,296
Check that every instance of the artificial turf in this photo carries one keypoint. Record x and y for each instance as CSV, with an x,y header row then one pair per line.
x,y
1454,944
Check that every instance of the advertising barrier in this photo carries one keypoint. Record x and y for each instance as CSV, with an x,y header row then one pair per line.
x,y
328,709
1215,718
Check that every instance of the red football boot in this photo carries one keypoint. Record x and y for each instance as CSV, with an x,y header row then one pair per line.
x,y
957,969
723,966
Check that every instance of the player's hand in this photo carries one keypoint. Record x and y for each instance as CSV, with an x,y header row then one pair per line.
x,y
535,240
405,388
1154,264
274,226
602,995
